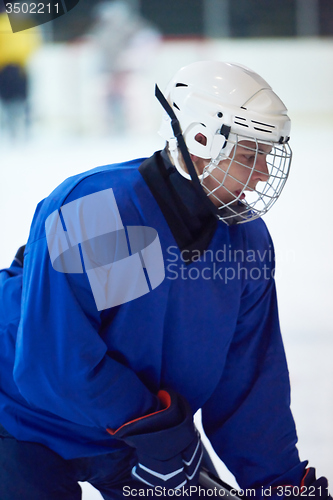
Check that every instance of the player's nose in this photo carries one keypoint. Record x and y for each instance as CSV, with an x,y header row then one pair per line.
x,y
261,172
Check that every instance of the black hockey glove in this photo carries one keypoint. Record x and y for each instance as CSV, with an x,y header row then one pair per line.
x,y
310,488
167,444
315,489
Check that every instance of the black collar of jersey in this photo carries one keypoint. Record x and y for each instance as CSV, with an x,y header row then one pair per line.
x,y
189,219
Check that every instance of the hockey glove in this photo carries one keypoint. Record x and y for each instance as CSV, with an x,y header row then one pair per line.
x,y
313,488
167,444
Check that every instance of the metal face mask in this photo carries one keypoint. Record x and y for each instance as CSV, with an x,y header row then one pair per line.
x,y
247,182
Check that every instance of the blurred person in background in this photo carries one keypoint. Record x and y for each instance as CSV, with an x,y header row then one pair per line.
x,y
15,52
126,44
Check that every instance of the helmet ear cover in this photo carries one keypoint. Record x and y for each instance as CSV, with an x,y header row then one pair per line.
x,y
213,144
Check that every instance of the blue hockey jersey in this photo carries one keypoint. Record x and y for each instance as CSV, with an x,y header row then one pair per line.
x,y
71,367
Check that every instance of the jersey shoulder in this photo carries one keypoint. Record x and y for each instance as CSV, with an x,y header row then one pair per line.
x,y
256,233
256,243
86,192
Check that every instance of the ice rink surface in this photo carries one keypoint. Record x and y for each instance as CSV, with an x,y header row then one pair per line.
x,y
301,227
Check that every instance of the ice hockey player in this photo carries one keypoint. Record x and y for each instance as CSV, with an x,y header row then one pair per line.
x,y
147,293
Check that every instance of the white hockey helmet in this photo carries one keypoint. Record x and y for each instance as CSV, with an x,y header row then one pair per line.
x,y
228,103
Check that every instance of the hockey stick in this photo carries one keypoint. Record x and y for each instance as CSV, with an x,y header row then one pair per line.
x,y
222,489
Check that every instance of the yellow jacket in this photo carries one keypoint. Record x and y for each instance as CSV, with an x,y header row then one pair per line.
x,y
16,48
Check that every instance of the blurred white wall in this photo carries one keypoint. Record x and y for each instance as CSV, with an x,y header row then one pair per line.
x,y
68,91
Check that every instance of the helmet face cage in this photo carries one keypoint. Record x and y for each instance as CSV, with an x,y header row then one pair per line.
x,y
249,203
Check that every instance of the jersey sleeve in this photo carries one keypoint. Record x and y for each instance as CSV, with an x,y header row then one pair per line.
x,y
248,418
62,363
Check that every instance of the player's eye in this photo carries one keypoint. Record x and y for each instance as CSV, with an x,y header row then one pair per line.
x,y
264,152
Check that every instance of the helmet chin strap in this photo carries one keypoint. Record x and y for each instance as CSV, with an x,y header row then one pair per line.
x,y
179,140
174,152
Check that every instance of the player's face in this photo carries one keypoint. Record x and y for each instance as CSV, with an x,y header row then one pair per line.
x,y
226,182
